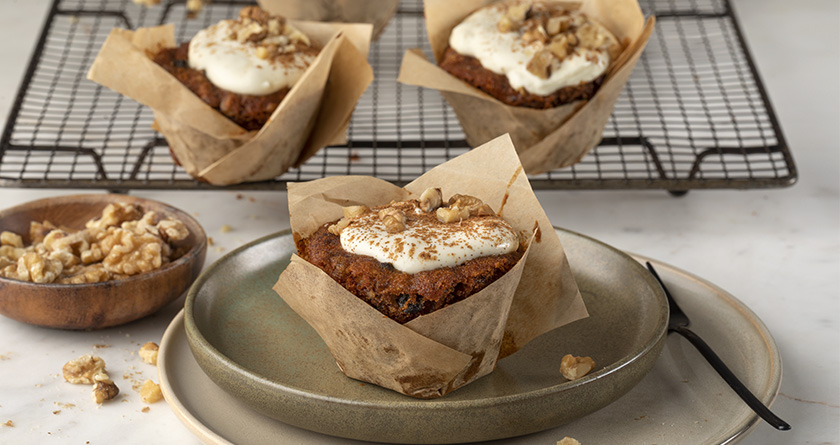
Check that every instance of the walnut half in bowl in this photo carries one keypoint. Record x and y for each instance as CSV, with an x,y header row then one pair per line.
x,y
95,261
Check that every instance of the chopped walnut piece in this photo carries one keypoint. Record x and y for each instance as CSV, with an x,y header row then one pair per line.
x,y
67,259
574,368
262,52
540,64
83,369
256,14
275,26
172,230
37,269
37,231
113,215
451,214
104,388
590,36
473,205
568,441
535,34
251,32
133,254
464,201
430,199
10,239
93,273
336,228
517,12
560,46
354,211
295,35
150,392
506,24
556,25
393,219
149,353
11,253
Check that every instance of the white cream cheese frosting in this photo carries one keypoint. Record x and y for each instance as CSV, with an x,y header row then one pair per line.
x,y
427,244
506,53
236,66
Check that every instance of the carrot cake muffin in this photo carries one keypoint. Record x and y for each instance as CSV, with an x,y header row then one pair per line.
x,y
414,257
531,53
243,67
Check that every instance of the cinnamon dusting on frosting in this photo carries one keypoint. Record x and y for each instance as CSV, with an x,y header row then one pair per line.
x,y
426,242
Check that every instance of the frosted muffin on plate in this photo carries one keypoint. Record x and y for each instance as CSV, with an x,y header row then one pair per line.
x,y
411,258
423,295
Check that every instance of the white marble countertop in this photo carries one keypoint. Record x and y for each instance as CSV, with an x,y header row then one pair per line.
x,y
777,250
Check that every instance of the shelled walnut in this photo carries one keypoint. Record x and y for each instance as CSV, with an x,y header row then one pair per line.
x,y
573,367
83,369
558,32
89,369
150,392
149,353
123,241
104,388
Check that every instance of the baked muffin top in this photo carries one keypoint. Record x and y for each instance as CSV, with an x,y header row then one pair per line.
x,y
256,54
539,46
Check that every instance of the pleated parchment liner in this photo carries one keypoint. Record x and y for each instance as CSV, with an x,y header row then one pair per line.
x,y
446,349
376,12
545,139
211,148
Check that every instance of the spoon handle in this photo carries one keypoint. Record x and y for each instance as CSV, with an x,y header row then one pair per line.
x,y
730,378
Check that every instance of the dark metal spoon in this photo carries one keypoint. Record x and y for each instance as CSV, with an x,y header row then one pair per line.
x,y
678,322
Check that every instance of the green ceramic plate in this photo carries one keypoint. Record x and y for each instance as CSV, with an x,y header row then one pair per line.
x,y
248,341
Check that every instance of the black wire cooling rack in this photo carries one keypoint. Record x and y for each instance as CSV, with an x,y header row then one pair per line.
x,y
694,114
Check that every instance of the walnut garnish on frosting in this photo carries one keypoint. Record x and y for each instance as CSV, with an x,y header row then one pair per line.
x,y
425,233
461,207
272,35
560,32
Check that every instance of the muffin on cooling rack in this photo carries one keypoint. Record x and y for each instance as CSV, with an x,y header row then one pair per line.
x,y
242,67
547,72
246,98
531,53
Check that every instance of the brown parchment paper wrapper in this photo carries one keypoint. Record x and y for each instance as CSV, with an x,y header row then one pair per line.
x,y
376,12
545,139
315,113
438,352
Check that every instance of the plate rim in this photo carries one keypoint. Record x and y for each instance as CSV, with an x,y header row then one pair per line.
x,y
441,403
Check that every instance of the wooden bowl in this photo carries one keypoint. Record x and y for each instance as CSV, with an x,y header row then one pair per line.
x,y
97,305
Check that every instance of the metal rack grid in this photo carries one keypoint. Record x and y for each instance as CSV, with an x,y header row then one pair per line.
x,y
694,114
